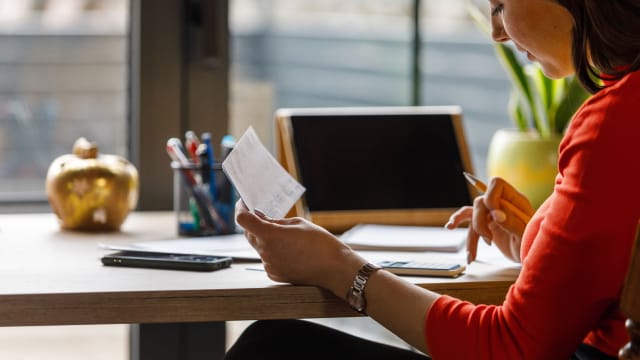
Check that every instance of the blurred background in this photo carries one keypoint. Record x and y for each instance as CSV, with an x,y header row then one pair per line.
x,y
66,71
123,73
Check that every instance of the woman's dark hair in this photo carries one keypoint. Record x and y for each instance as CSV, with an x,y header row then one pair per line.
x,y
606,39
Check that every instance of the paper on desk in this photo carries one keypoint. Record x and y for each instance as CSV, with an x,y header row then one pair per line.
x,y
260,180
234,245
404,238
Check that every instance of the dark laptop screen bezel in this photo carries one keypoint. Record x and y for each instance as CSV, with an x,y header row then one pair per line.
x,y
364,160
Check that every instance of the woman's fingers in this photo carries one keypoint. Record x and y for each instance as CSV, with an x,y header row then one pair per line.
x,y
461,215
493,221
502,198
509,245
272,273
250,237
249,221
472,245
508,221
481,218
255,221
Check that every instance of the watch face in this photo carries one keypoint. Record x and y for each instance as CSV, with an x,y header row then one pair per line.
x,y
356,301
355,296
360,304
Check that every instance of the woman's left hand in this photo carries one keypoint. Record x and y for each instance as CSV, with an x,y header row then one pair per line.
x,y
495,224
297,251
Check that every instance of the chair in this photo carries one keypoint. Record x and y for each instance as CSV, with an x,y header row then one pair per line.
x,y
630,304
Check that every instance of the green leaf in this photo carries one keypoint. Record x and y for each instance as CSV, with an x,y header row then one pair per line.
x,y
560,87
541,98
574,97
479,18
515,71
516,110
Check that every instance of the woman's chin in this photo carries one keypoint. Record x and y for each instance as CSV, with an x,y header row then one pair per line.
x,y
555,72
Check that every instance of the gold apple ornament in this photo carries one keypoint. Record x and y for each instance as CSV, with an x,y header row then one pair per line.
x,y
90,191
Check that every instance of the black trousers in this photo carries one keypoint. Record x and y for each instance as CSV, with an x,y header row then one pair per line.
x,y
297,339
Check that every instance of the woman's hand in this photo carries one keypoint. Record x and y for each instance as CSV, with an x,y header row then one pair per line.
x,y
297,251
493,222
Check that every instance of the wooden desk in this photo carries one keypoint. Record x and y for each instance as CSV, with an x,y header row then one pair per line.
x,y
53,277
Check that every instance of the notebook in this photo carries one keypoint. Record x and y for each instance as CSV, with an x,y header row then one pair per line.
x,y
404,238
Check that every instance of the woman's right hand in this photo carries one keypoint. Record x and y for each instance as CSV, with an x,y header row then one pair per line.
x,y
296,251
493,222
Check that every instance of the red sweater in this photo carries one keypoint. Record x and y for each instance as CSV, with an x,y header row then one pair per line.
x,y
575,251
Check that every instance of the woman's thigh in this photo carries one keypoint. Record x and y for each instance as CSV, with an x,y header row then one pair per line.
x,y
298,339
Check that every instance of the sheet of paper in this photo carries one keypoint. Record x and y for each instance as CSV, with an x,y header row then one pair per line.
x,y
234,245
237,247
260,180
404,238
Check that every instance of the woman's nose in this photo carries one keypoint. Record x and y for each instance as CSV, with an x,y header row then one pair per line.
x,y
497,31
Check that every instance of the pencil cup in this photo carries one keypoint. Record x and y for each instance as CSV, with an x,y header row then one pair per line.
x,y
203,200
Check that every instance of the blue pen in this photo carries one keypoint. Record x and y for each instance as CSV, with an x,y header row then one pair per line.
x,y
225,190
201,153
226,145
206,139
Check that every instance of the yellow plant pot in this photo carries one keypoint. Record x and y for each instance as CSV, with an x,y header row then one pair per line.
x,y
525,160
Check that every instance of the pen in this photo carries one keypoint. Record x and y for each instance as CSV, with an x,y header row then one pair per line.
x,y
482,188
201,152
191,143
225,190
226,144
205,205
193,207
176,153
206,139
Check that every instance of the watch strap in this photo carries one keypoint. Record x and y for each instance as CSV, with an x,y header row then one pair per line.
x,y
355,296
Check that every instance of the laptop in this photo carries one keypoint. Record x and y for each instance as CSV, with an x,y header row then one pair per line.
x,y
381,165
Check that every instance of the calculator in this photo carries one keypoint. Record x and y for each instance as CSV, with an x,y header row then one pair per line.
x,y
418,268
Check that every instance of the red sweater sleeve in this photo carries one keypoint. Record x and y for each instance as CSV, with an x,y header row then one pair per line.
x,y
575,250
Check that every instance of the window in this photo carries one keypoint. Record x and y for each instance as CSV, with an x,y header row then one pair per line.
x,y
127,74
63,74
308,53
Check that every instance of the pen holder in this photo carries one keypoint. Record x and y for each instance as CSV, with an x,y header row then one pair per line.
x,y
203,200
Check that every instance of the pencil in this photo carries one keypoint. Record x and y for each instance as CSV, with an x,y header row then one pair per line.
x,y
482,188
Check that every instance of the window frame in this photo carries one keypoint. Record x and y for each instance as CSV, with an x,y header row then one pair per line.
x,y
174,86
177,80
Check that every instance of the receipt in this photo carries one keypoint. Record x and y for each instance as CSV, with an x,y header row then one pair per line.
x,y
260,180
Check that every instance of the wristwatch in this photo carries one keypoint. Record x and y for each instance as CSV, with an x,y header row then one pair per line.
x,y
355,295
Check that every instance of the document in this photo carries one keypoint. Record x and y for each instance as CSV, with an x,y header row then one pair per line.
x,y
233,245
404,238
260,180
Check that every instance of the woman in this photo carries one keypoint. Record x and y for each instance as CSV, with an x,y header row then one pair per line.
x,y
574,251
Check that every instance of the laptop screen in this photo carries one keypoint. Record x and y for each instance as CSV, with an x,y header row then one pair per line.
x,y
383,159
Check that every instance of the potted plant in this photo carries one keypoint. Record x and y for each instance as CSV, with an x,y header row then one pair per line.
x,y
541,108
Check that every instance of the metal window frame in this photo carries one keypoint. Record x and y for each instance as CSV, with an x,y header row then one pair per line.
x,y
175,85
